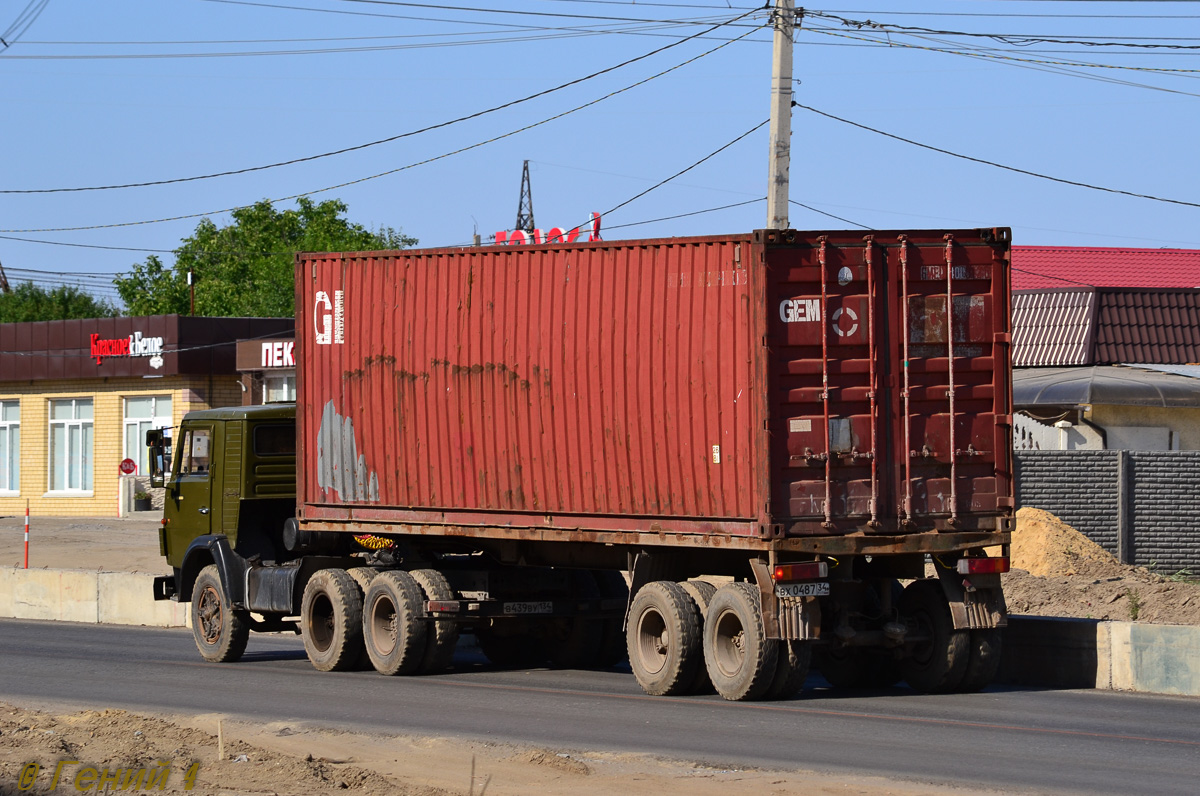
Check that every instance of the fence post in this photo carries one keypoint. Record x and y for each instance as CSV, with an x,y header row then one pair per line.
x,y
1124,493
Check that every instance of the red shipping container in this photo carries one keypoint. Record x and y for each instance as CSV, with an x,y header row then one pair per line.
x,y
767,385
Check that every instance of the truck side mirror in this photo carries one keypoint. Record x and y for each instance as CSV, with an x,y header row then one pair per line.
x,y
154,441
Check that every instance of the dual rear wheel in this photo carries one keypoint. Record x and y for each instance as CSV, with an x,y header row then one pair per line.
x,y
675,647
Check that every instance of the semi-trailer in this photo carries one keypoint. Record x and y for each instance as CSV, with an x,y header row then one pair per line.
x,y
727,457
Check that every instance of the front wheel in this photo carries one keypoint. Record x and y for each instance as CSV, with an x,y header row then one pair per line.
x,y
221,633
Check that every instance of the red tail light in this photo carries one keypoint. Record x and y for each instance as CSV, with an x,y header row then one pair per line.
x,y
809,570
982,566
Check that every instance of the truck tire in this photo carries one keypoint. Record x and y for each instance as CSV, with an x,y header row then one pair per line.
x,y
936,664
795,658
393,623
363,576
331,621
221,633
663,638
701,592
441,638
741,660
983,660
575,642
612,635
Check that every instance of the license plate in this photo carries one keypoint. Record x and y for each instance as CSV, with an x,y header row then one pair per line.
x,y
529,608
801,589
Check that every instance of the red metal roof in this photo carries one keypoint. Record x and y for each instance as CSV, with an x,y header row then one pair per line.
x,y
1044,267
1097,326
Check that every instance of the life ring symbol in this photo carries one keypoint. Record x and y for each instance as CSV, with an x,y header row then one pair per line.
x,y
836,321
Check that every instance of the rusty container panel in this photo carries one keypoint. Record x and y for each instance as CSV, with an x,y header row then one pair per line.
x,y
608,379
889,413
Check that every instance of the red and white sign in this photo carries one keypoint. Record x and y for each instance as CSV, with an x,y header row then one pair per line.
x,y
519,237
128,467
279,354
132,346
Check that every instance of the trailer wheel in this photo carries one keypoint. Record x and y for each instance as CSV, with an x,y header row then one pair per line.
x,y
741,660
701,592
393,623
663,638
221,633
331,621
441,637
983,661
612,644
795,658
936,664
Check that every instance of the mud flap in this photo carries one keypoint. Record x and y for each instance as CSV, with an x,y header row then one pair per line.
x,y
786,618
976,601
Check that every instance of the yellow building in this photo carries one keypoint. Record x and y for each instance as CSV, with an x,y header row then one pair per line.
x,y
76,398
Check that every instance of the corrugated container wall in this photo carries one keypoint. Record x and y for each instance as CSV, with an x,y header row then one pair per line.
x,y
666,385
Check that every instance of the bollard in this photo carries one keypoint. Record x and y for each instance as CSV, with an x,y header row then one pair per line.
x,y
26,534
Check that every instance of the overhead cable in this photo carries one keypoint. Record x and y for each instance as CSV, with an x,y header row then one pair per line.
x,y
400,168
1026,172
399,136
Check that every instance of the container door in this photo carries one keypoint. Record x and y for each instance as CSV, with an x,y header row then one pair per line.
x,y
887,415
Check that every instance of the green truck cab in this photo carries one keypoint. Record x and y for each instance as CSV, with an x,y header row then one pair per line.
x,y
230,481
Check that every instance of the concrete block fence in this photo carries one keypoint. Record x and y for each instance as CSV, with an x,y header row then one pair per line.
x,y
1141,506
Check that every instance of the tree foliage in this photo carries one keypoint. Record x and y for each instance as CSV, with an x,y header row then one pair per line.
x,y
29,302
245,269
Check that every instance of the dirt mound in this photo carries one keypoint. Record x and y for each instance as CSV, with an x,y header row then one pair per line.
x,y
1045,546
1057,571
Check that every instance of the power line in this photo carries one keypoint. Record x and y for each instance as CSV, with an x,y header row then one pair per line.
x,y
400,168
685,215
389,139
830,215
1026,172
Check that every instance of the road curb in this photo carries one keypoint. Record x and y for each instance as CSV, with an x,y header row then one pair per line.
x,y
1037,651
70,595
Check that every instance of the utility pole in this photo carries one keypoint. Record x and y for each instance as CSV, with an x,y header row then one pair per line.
x,y
784,18
525,208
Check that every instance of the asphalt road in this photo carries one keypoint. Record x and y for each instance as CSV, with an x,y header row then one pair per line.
x,y
1009,739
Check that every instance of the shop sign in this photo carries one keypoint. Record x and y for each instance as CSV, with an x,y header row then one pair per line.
x,y
279,354
135,345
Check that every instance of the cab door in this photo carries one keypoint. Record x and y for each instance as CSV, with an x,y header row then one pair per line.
x,y
190,491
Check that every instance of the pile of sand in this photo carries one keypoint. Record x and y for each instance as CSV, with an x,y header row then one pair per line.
x,y
1045,546
1057,571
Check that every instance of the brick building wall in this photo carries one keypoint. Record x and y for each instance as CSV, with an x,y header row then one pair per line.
x,y
108,429
1142,506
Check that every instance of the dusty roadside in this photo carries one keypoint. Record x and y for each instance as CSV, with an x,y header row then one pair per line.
x,y
291,759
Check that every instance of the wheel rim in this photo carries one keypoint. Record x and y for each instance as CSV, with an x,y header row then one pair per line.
x,y
729,644
209,613
320,622
383,626
652,645
923,651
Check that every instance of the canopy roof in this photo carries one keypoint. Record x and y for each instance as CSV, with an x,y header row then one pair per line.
x,y
1103,384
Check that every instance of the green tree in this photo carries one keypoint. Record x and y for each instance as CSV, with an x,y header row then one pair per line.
x,y
29,302
245,269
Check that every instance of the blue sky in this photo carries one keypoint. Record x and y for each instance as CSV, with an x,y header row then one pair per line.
x,y
200,97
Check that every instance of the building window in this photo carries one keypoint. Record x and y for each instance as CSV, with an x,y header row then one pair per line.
x,y
71,445
142,414
10,446
279,387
